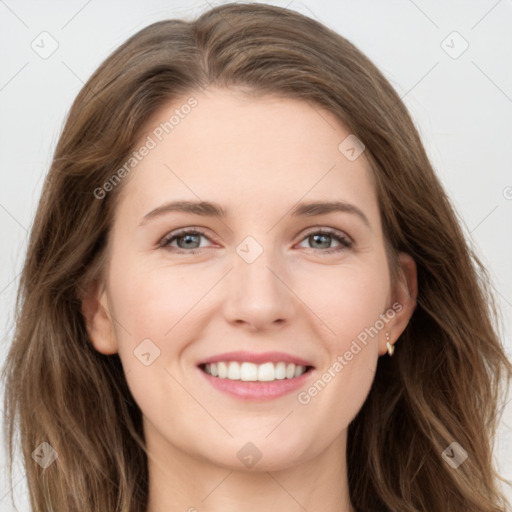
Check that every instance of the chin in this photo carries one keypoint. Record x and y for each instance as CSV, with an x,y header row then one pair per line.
x,y
257,455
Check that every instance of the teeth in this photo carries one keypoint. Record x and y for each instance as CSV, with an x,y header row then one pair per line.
x,y
233,371
280,371
222,368
250,372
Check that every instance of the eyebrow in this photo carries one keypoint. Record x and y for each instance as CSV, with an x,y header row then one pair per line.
x,y
209,209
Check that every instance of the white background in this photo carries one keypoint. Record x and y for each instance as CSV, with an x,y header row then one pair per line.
x,y
462,107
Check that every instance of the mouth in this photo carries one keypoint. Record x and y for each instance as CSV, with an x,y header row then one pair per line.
x,y
259,377
246,371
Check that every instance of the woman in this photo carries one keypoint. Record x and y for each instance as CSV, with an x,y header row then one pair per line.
x,y
255,369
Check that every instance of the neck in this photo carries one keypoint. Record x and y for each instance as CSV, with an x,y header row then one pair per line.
x,y
179,481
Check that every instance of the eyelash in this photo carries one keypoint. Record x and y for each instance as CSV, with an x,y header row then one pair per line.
x,y
345,242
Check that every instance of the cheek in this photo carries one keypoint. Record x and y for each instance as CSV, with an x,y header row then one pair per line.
x,y
151,297
154,320
350,303
346,298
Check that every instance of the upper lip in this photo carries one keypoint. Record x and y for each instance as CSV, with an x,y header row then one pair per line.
x,y
256,358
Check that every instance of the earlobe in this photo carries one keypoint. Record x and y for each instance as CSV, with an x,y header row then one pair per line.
x,y
98,319
404,293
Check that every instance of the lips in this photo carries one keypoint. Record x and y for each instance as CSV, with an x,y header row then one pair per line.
x,y
256,376
257,391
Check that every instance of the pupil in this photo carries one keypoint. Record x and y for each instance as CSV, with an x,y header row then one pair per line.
x,y
315,237
187,239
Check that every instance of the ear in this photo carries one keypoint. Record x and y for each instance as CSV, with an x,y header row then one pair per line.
x,y
404,293
98,320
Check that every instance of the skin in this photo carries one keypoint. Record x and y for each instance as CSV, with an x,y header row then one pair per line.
x,y
257,157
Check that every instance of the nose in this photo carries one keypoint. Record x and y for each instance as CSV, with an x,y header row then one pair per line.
x,y
258,294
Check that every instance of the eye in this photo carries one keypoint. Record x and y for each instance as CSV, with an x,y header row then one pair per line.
x,y
324,236
189,240
186,239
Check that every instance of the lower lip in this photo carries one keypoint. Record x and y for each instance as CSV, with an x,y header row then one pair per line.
x,y
257,390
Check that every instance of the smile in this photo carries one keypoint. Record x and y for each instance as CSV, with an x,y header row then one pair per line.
x,y
251,372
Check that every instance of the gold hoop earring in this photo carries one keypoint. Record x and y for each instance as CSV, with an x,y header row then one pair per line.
x,y
391,348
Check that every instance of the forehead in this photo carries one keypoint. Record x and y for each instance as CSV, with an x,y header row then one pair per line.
x,y
247,152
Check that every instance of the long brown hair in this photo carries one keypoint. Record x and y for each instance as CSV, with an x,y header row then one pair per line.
x,y
443,385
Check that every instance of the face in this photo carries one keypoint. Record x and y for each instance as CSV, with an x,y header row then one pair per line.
x,y
270,281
